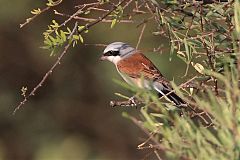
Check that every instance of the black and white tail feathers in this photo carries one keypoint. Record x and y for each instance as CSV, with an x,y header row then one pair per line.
x,y
172,97
164,90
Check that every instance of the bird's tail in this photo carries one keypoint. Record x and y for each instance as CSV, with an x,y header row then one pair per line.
x,y
164,90
172,97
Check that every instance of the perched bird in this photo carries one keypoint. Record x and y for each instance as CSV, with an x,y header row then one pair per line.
x,y
136,69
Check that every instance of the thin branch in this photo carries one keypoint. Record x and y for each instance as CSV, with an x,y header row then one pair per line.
x,y
98,9
87,5
90,19
157,154
128,103
96,45
190,25
79,11
127,4
141,35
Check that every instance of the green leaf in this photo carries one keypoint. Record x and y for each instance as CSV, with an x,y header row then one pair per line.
x,y
125,115
81,38
63,35
52,3
36,11
76,37
114,21
187,49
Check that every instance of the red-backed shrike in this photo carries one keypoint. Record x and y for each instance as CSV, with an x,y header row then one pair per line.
x,y
138,70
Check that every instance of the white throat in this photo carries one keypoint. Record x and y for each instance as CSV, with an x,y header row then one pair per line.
x,y
114,59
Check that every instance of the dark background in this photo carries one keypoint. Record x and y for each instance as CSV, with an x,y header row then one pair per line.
x,y
69,118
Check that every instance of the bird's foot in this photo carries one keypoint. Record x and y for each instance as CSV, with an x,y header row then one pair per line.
x,y
133,101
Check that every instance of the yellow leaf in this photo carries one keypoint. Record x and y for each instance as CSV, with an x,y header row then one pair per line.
x,y
181,53
198,67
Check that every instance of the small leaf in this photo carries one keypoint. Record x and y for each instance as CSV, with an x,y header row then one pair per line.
x,y
191,91
52,3
181,53
36,11
198,67
125,115
24,90
63,35
81,38
114,21
75,37
188,51
121,95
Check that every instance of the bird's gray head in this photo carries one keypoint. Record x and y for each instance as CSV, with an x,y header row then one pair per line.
x,y
117,51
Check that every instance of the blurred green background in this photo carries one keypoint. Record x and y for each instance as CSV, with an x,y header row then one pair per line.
x,y
69,118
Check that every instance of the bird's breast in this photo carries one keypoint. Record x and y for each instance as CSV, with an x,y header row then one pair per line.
x,y
138,82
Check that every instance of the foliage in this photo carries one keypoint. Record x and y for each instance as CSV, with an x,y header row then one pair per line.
x,y
203,34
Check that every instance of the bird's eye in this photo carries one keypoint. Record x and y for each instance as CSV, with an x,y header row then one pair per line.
x,y
112,53
115,53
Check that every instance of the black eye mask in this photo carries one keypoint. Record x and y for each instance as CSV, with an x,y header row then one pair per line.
x,y
112,53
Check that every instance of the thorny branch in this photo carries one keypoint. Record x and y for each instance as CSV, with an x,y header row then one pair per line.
x,y
49,72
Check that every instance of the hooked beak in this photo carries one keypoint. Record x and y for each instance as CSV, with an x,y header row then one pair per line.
x,y
102,58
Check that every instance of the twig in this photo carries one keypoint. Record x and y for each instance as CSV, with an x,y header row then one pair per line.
x,y
98,9
203,41
90,19
141,35
79,11
75,27
127,4
190,25
128,103
147,155
158,156
87,5
97,45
